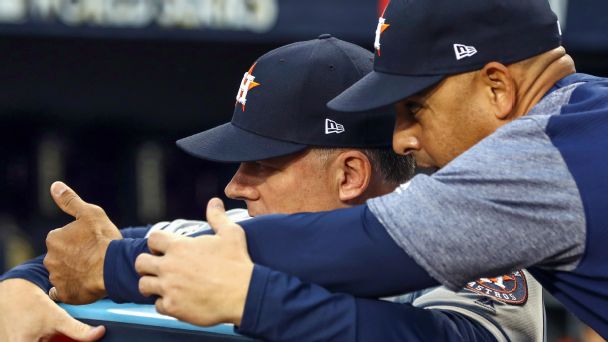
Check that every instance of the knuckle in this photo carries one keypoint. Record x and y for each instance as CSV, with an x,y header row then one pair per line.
x,y
160,306
170,248
79,328
232,229
168,304
139,267
54,280
142,286
95,210
139,260
163,267
68,198
154,237
179,244
49,263
167,287
87,211
51,236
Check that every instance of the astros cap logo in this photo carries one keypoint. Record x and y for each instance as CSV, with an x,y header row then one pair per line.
x,y
246,85
511,288
382,26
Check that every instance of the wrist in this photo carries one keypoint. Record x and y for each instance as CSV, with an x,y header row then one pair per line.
x,y
241,292
99,284
256,295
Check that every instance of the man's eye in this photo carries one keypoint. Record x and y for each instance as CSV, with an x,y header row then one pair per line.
x,y
413,107
260,165
265,166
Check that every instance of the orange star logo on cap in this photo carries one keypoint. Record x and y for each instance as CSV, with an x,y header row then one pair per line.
x,y
246,85
382,26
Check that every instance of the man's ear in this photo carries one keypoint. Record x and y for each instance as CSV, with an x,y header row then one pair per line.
x,y
353,174
502,88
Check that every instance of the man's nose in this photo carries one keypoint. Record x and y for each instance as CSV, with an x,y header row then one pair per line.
x,y
405,139
241,186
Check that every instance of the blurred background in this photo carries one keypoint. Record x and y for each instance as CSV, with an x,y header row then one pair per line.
x,y
95,93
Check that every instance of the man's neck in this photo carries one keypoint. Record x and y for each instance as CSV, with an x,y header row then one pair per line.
x,y
537,76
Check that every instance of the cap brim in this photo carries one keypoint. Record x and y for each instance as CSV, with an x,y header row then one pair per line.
x,y
378,89
229,143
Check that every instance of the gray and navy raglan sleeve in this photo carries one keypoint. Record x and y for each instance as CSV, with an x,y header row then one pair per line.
x,y
505,204
510,307
281,307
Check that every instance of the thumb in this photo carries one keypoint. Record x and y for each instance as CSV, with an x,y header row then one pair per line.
x,y
216,216
66,199
77,330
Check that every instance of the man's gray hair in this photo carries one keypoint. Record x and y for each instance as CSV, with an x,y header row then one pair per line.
x,y
395,169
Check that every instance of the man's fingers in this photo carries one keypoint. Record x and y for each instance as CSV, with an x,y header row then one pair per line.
x,y
216,215
77,330
66,199
149,286
159,241
160,307
147,264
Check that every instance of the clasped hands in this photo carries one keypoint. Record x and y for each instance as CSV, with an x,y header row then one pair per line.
x,y
202,280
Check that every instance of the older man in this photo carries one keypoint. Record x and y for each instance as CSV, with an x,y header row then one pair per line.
x,y
320,162
484,91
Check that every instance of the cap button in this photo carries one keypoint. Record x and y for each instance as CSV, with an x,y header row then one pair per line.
x,y
325,36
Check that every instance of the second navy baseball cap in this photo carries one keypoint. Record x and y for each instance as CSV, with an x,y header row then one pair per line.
x,y
280,106
421,42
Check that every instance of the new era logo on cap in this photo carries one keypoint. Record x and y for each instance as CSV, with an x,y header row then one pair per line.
x,y
281,106
333,127
428,41
463,51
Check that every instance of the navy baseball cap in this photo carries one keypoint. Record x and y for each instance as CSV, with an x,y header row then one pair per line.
x,y
281,106
421,42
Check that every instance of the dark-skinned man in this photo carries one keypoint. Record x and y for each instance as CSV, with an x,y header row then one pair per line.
x,y
485,92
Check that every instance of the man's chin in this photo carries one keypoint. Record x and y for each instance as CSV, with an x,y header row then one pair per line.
x,y
424,161
422,164
426,167
253,212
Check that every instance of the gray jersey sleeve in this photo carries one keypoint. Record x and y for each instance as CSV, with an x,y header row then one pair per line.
x,y
505,204
516,321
